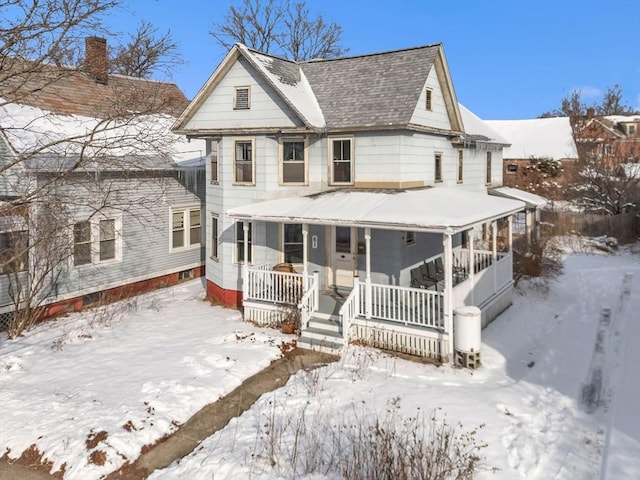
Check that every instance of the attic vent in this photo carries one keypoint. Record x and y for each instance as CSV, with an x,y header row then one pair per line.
x,y
241,98
428,99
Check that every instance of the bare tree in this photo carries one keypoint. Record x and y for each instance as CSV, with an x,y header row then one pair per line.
x,y
574,107
146,53
281,28
74,144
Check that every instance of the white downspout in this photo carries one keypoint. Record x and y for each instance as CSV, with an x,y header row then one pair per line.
x,y
368,300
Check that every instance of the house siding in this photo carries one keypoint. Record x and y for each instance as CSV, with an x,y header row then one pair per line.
x,y
437,117
266,110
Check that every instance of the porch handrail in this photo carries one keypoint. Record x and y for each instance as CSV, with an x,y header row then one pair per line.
x,y
410,306
309,301
276,287
350,310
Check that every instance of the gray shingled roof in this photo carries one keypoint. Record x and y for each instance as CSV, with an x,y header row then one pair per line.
x,y
371,90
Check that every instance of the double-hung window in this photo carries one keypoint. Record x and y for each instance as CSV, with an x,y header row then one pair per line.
x,y
82,243
243,161
14,251
293,162
214,236
488,169
212,146
437,166
186,227
240,242
341,152
107,239
459,171
292,244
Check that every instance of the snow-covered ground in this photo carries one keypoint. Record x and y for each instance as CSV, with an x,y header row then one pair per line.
x,y
113,382
136,375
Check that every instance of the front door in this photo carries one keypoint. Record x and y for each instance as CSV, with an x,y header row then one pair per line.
x,y
343,258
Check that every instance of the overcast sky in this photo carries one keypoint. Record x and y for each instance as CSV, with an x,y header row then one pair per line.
x,y
509,59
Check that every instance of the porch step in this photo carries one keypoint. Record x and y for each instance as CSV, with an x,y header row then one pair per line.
x,y
322,334
321,322
318,345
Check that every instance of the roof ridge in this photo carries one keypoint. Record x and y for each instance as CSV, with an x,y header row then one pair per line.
x,y
373,54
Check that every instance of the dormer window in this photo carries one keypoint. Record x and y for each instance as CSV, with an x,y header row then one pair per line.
x,y
241,98
631,129
428,99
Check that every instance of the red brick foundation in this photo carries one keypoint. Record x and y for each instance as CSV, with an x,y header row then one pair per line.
x,y
228,298
113,294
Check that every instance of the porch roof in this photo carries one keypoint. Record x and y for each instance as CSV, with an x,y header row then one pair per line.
x,y
428,209
531,199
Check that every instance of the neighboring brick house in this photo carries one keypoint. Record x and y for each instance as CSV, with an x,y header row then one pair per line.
x,y
542,157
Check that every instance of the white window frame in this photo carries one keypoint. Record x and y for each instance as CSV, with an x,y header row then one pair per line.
x,y
460,166
239,244
352,142
251,140
236,97
305,161
23,262
438,176
607,149
89,242
283,242
631,129
96,239
185,211
213,157
215,236
428,99
488,174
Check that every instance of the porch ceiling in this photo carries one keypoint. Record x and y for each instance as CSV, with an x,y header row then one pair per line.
x,y
428,209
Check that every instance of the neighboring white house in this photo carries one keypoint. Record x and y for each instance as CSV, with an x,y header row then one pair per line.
x,y
127,220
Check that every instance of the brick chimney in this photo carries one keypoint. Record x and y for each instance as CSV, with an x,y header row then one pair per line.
x,y
591,112
96,58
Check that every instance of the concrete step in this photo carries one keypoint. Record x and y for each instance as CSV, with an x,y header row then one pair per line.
x,y
322,334
320,323
319,345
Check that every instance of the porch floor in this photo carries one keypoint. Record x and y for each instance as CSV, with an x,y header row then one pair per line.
x,y
331,301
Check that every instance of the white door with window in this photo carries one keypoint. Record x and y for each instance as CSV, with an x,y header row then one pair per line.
x,y
343,258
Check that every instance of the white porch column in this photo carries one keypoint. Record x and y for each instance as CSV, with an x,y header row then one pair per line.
x,y
510,221
305,253
245,263
368,300
448,288
472,264
494,240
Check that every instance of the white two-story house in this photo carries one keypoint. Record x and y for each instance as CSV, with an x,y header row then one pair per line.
x,y
359,173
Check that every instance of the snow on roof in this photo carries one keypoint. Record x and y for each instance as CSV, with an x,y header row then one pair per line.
x,y
429,209
290,80
539,137
44,134
531,199
623,118
474,125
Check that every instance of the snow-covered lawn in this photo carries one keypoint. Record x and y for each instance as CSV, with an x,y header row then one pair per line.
x,y
537,357
162,356
113,382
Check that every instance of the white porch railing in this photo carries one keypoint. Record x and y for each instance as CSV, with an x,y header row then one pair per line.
x,y
486,282
409,306
350,310
276,287
309,301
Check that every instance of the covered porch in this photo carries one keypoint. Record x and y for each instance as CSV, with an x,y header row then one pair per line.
x,y
408,313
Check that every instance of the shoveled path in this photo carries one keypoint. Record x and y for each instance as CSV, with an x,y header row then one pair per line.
x,y
215,416
207,421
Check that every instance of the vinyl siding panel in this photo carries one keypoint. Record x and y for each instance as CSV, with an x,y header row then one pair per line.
x,y
266,107
437,117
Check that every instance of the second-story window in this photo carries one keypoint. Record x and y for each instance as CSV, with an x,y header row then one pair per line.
x,y
488,169
341,161
607,150
241,98
243,161
293,161
460,170
437,166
